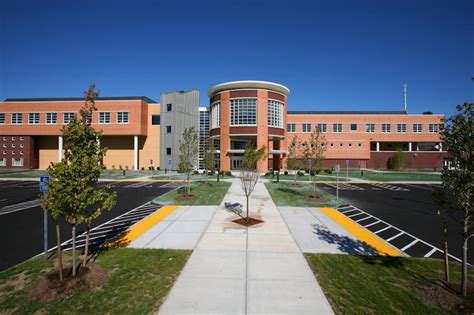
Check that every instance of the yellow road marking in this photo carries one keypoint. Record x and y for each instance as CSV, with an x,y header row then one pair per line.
x,y
136,230
151,180
361,233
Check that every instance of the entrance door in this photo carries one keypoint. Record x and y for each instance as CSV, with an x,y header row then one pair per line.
x,y
237,162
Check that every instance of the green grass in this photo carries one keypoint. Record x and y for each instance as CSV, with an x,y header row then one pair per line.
x,y
378,285
301,178
385,176
105,174
12,173
138,283
204,194
287,194
193,177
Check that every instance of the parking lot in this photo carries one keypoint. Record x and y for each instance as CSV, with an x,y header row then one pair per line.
x,y
403,215
21,217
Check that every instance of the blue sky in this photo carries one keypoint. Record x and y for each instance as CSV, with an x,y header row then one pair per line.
x,y
333,55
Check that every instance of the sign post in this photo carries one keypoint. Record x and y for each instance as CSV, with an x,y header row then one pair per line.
x,y
338,169
309,163
44,188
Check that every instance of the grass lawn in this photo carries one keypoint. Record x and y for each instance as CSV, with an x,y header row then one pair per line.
x,y
286,194
302,178
385,285
11,173
204,194
105,174
385,176
138,282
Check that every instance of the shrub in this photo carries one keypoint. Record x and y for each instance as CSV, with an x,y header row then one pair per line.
x,y
286,173
113,167
398,160
211,173
317,171
300,173
268,173
328,171
195,172
228,173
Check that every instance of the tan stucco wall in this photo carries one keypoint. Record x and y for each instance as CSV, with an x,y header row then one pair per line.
x,y
150,145
119,153
48,151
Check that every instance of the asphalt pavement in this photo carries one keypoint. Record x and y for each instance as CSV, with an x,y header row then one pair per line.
x,y
21,217
402,214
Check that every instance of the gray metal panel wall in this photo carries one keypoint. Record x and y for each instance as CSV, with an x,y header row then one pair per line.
x,y
184,114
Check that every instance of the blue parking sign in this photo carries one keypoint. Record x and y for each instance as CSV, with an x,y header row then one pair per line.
x,y
44,183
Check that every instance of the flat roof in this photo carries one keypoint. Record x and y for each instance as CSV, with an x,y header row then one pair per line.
x,y
75,99
348,112
248,84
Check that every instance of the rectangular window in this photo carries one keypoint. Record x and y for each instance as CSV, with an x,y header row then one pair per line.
x,y
353,127
433,128
291,128
67,117
122,118
155,119
275,114
2,118
168,151
104,118
3,162
51,118
386,128
417,128
16,162
17,118
370,128
169,107
306,128
401,127
322,128
336,127
33,118
168,129
216,115
243,112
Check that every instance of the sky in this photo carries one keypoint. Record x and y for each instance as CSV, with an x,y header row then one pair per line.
x,y
332,55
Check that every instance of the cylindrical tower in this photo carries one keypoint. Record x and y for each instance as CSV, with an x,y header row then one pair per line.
x,y
249,111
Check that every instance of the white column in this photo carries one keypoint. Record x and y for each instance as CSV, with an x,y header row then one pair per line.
x,y
377,146
440,146
135,153
409,147
60,148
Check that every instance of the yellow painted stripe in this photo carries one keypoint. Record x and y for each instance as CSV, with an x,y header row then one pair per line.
x,y
136,230
361,233
150,180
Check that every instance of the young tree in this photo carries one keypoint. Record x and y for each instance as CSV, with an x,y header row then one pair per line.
x,y
209,159
189,149
293,153
457,134
313,152
398,160
252,156
72,191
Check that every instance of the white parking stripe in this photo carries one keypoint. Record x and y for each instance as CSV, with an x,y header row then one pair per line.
x,y
431,252
20,206
381,230
421,187
363,219
409,245
373,223
395,236
353,215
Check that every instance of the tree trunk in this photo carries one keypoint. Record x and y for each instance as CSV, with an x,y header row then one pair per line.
x,y
218,176
189,185
60,256
86,247
464,260
446,257
247,217
74,250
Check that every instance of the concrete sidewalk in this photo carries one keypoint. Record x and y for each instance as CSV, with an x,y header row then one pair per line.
x,y
235,270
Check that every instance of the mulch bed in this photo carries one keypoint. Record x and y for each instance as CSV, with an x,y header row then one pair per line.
x,y
185,197
251,221
313,198
49,287
448,296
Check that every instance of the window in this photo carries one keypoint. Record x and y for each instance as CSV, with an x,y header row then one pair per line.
x,y
306,127
21,138
336,127
33,118
4,145
2,118
51,118
243,111
386,128
168,151
122,118
369,127
168,129
401,127
67,117
104,118
89,119
13,138
21,152
353,127
291,128
417,128
13,145
215,115
433,128
22,145
275,114
322,127
155,119
3,162
17,118
16,162
169,107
